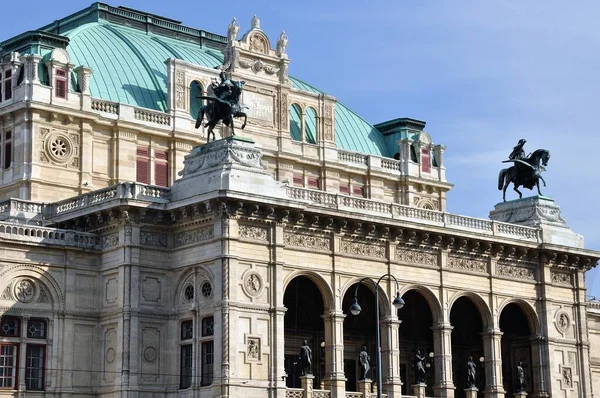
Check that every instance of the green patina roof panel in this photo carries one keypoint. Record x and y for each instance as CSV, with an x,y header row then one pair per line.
x,y
129,67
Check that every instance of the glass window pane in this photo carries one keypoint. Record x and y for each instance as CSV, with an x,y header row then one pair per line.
x,y
296,122
310,127
8,365
187,330
208,359
9,326
185,376
34,367
36,329
208,326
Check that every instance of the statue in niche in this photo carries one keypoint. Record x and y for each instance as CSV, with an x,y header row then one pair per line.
x,y
526,172
281,44
365,363
471,373
419,368
520,377
252,349
223,105
232,31
306,358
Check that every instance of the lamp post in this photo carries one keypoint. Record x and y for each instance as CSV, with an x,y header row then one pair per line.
x,y
355,310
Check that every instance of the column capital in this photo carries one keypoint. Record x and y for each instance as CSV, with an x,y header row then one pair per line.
x,y
390,320
493,332
333,315
443,327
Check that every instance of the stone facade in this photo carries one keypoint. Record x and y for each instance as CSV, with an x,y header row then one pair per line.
x,y
123,288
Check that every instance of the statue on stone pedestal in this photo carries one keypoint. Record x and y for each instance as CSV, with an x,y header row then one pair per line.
x,y
232,31
419,368
365,363
526,172
223,105
306,358
471,372
520,377
281,44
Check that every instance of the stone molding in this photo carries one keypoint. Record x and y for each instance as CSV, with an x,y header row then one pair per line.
x,y
307,241
561,278
416,257
467,264
253,232
515,271
362,249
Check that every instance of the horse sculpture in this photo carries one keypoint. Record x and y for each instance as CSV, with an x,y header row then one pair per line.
x,y
222,107
526,172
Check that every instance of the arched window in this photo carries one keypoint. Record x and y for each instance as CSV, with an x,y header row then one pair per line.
x,y
296,122
310,126
195,102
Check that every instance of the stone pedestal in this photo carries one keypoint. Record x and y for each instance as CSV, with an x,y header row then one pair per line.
x,y
306,382
232,163
521,394
471,392
540,212
364,387
419,390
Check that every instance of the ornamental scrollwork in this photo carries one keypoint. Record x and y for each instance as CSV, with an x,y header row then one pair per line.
x,y
467,264
362,249
308,241
153,239
109,240
514,271
194,235
254,233
561,278
416,257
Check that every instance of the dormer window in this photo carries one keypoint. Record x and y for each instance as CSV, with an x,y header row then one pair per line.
x,y
425,160
60,83
5,85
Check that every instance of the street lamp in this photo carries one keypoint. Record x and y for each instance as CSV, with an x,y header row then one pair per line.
x,y
355,310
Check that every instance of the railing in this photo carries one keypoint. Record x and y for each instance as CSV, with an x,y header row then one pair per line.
x,y
354,395
121,191
415,214
105,106
152,116
45,235
294,393
390,164
321,394
593,305
352,157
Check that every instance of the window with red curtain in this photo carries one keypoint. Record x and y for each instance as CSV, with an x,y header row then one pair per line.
x,y
344,188
358,190
425,160
313,182
7,84
298,180
143,165
60,83
161,168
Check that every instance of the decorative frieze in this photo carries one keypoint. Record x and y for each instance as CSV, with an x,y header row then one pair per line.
x,y
561,278
307,241
194,235
109,240
467,264
515,271
153,239
416,257
252,232
362,249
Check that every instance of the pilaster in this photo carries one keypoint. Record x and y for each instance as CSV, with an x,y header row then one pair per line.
x,y
390,356
492,351
442,347
335,381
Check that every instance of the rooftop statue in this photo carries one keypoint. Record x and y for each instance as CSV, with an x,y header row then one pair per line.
x,y
282,41
526,172
223,105
232,31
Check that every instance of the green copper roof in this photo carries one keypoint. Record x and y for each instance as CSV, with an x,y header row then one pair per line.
x,y
128,59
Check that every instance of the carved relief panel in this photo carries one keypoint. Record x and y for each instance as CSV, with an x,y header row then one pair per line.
x,y
59,147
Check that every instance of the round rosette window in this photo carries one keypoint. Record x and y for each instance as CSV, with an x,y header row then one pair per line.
x,y
59,148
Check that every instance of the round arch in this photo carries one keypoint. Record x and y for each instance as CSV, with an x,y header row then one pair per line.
x,y
532,317
296,120
319,281
434,303
195,89
385,303
480,304
42,276
203,272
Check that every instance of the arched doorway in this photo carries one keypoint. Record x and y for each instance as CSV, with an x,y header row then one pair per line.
x,y
415,335
359,330
467,342
303,321
516,346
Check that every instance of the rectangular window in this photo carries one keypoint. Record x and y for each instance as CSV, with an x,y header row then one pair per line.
x,y
60,83
208,359
185,375
143,165
161,168
10,326
425,160
7,84
358,190
36,329
298,180
313,182
208,326
34,367
7,150
344,188
8,365
187,330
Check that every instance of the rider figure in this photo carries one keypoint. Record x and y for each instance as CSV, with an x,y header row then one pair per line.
x,y
224,89
518,152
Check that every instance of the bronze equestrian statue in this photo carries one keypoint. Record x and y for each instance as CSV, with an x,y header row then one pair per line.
x,y
223,105
526,172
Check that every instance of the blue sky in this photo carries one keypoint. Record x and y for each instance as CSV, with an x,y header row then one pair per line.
x,y
482,74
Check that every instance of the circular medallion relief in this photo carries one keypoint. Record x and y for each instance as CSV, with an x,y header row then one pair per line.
x,y
110,355
150,354
563,321
252,284
59,148
24,290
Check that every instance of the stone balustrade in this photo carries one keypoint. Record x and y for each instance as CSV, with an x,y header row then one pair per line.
x,y
51,236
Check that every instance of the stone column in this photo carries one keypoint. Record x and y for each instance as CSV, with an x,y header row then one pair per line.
x,y
390,356
334,353
278,313
537,367
492,352
442,347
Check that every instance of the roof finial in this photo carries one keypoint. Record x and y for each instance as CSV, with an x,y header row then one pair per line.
x,y
255,23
